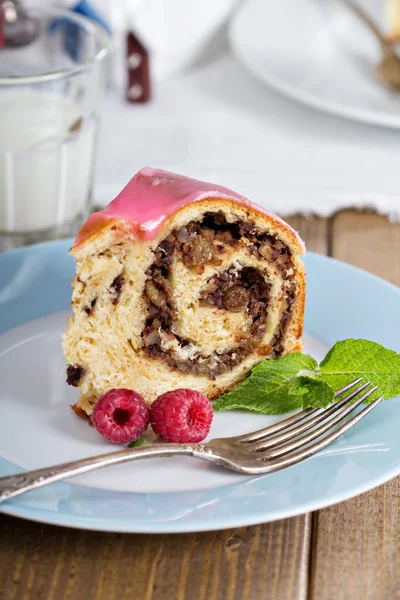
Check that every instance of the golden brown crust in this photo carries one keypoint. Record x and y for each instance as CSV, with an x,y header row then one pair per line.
x,y
81,413
270,221
298,314
251,213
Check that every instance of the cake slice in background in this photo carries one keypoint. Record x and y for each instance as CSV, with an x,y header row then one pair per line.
x,y
180,284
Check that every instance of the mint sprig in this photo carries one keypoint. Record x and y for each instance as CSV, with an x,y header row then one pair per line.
x,y
297,381
139,442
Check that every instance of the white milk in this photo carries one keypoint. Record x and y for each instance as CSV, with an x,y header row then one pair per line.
x,y
45,170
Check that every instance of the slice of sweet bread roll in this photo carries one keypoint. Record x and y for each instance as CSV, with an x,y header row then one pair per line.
x,y
180,284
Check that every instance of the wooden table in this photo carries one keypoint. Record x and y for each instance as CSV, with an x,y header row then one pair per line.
x,y
348,551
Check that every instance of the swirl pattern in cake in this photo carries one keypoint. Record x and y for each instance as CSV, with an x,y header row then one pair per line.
x,y
180,284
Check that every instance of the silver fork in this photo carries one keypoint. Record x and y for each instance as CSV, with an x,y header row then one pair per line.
x,y
270,449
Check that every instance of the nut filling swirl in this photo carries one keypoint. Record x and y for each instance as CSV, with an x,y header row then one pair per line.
x,y
242,290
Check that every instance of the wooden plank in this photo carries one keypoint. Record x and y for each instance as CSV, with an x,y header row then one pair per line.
x,y
355,550
314,232
369,241
263,562
44,562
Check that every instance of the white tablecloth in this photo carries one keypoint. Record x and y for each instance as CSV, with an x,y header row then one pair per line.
x,y
215,122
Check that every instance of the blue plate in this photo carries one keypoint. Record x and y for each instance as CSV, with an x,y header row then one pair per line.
x,y
342,302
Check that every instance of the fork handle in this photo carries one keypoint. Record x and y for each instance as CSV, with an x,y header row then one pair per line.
x,y
14,485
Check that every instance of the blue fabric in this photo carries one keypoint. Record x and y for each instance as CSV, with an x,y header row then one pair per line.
x,y
86,9
72,31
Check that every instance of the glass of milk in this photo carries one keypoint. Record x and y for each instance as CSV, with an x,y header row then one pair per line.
x,y
51,79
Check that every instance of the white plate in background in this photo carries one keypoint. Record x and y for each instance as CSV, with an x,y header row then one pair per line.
x,y
318,53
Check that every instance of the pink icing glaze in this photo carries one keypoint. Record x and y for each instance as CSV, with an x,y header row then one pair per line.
x,y
152,196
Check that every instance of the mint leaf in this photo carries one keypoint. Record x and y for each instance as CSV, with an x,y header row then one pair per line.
x,y
267,389
296,381
139,442
351,358
315,393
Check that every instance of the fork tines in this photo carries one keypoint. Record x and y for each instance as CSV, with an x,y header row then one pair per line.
x,y
302,435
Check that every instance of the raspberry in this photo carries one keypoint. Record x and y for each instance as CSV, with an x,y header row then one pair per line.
x,y
121,416
181,416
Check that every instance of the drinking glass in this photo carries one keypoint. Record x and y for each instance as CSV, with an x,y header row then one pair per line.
x,y
51,77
